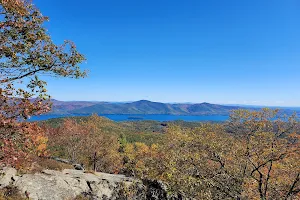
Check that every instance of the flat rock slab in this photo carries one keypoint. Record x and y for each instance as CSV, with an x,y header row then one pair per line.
x,y
68,184
56,185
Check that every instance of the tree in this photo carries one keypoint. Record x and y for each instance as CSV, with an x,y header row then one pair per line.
x,y
85,141
256,155
27,53
190,161
101,148
271,147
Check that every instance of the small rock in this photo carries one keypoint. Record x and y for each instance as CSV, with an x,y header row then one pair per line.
x,y
78,166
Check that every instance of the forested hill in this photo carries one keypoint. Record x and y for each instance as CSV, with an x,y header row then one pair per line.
x,y
139,107
148,107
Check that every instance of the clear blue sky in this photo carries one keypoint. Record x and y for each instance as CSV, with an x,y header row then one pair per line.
x,y
230,52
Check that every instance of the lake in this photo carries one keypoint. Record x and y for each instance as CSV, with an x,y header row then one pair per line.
x,y
191,118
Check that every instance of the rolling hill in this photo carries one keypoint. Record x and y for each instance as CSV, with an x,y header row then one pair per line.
x,y
139,107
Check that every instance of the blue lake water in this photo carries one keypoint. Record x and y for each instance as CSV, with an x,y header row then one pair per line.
x,y
191,118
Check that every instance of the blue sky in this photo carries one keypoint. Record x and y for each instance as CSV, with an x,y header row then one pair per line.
x,y
229,52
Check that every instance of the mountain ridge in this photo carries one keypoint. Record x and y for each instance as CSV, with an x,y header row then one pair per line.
x,y
146,107
139,107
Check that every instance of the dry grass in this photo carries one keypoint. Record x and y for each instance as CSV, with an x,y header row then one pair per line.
x,y
53,164
11,193
40,164
81,197
90,172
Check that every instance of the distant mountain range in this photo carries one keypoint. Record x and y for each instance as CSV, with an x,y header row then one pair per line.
x,y
143,107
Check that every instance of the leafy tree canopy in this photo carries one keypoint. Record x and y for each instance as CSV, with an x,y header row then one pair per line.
x,y
27,53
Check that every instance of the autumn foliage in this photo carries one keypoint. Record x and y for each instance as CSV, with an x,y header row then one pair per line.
x,y
87,143
255,155
21,143
27,53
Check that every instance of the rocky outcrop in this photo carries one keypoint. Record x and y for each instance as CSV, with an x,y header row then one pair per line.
x,y
68,184
7,177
